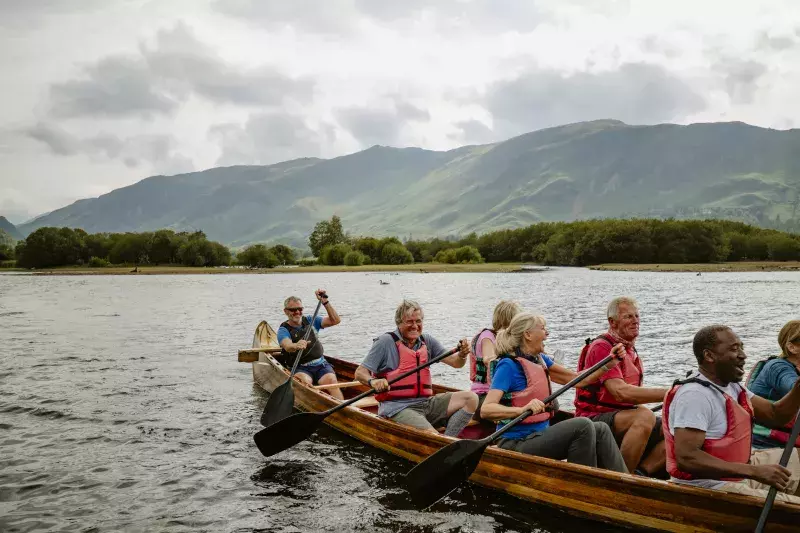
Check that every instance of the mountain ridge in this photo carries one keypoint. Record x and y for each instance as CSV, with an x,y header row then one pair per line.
x,y
602,168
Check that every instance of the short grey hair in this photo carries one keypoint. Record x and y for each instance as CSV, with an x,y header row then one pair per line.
x,y
405,307
613,306
291,299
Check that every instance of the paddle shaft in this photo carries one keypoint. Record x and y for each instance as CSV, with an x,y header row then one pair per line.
x,y
550,398
307,335
787,453
364,394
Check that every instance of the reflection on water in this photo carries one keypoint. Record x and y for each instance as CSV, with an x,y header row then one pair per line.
x,y
122,406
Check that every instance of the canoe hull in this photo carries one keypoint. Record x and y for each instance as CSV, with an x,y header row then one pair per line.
x,y
602,495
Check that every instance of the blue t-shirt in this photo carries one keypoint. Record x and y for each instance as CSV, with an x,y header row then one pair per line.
x,y
509,377
283,333
776,379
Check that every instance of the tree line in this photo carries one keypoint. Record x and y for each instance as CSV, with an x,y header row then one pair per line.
x,y
553,243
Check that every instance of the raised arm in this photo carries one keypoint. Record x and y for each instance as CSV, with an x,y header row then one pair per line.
x,y
333,317
780,412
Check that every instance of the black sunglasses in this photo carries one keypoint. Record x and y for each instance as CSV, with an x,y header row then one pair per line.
x,y
294,309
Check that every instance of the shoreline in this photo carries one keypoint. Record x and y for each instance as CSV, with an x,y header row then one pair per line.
x,y
733,266
419,268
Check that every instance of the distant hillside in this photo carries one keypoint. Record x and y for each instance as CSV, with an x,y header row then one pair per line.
x,y
9,228
592,169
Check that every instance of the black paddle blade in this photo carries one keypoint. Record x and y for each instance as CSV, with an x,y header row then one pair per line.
x,y
285,433
279,405
441,473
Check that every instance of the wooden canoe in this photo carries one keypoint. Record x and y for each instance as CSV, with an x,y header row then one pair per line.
x,y
621,499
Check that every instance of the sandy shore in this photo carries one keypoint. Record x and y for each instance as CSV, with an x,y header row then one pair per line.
x,y
423,268
738,266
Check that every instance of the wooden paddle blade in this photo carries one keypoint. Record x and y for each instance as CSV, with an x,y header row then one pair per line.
x,y
279,405
287,432
441,473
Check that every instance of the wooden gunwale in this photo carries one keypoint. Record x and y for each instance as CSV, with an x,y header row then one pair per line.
x,y
593,493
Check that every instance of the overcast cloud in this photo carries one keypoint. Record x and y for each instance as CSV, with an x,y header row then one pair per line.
x,y
98,95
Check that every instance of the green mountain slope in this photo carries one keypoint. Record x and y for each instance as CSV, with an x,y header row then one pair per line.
x,y
593,169
9,228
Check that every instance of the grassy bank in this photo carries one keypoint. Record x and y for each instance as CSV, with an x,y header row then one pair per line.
x,y
737,266
150,270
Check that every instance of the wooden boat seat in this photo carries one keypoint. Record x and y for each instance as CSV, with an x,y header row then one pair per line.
x,y
366,403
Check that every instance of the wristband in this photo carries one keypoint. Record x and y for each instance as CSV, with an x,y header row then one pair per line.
x,y
326,302
369,383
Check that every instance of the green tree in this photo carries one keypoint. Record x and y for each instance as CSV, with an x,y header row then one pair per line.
x,y
326,233
284,254
354,258
257,256
334,254
395,254
6,252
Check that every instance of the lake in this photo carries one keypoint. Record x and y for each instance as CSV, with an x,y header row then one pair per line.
x,y
123,408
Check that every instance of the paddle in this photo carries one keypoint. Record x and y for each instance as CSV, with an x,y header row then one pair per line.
x,y
441,473
281,402
787,453
286,433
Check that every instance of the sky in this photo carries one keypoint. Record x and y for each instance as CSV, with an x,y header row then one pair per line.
x,y
99,94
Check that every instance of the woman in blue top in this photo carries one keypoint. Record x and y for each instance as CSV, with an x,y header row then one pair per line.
x,y
520,382
776,378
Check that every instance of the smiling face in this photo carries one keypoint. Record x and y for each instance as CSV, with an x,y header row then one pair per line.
x,y
294,311
533,339
411,326
727,358
626,324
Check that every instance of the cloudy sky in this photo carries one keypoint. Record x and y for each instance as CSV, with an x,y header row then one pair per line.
x,y
98,94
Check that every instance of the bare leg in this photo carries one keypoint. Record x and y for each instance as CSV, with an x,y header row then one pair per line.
x,y
330,379
632,428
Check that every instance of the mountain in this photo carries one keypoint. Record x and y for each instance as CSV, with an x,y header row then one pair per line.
x,y
591,169
10,229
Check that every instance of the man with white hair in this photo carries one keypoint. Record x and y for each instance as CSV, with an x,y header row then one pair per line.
x,y
411,401
617,396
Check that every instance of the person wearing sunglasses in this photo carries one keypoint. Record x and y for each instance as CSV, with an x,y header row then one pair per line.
x,y
313,368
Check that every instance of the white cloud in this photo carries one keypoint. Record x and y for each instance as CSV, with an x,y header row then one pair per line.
x,y
106,93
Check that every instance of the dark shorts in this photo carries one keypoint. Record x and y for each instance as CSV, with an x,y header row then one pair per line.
x,y
316,371
652,440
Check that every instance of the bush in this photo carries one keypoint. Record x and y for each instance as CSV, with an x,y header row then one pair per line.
x,y
446,256
8,264
307,262
395,254
354,258
98,262
468,254
257,256
334,254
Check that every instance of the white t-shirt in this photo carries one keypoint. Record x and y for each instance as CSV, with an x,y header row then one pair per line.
x,y
698,407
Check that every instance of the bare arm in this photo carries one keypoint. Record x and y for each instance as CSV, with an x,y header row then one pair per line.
x,y
364,375
625,393
290,346
692,459
780,412
333,317
488,353
458,359
493,410
562,375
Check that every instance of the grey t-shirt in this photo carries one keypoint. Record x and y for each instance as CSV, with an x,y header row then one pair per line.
x,y
384,357
698,407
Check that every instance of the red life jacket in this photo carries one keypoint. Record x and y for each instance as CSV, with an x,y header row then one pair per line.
x,y
595,398
733,447
416,385
479,372
538,386
779,435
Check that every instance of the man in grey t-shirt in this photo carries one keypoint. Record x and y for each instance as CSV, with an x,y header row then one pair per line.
x,y
696,417
453,409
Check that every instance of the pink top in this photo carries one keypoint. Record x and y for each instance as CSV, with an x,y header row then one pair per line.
x,y
482,388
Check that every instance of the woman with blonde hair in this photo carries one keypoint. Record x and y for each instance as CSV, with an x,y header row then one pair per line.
x,y
483,357
522,380
772,379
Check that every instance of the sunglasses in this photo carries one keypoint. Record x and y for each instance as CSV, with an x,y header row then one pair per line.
x,y
294,309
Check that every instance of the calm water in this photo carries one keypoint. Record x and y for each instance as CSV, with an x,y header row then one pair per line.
x,y
122,406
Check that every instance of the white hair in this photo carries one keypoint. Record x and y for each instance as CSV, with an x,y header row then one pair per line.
x,y
613,306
